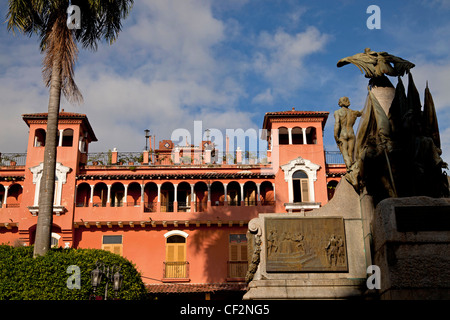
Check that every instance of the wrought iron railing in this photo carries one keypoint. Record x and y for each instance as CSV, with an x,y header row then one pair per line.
x,y
99,158
13,159
176,270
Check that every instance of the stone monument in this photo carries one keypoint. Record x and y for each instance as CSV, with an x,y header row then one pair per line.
x,y
391,209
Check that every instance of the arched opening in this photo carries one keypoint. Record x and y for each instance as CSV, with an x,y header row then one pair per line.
x,y
201,196
83,195
300,186
67,139
14,196
297,135
150,197
311,136
283,135
267,196
234,194
175,265
134,195
167,197
184,197
250,193
117,194
331,188
100,195
217,194
39,138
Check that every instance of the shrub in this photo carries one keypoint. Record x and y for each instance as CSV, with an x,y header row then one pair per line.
x,y
45,278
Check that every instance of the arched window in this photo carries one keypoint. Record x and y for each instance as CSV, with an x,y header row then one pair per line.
x,y
83,195
117,194
283,136
67,139
167,197
297,135
311,136
234,194
175,265
250,193
184,197
134,195
100,195
39,138
300,186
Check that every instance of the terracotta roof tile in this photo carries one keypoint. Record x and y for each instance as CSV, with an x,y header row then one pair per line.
x,y
195,287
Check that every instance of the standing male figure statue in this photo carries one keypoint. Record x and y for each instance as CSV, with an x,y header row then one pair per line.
x,y
343,130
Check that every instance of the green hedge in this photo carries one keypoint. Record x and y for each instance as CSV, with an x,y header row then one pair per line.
x,y
45,278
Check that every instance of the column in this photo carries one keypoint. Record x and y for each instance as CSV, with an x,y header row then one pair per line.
x,y
175,198
290,135
304,135
60,138
208,204
108,198
242,193
192,198
125,195
142,193
91,199
158,205
258,187
274,197
225,199
5,196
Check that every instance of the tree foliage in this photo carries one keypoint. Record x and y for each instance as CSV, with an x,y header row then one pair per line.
x,y
45,277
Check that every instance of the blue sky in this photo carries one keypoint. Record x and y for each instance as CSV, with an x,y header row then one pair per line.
x,y
227,63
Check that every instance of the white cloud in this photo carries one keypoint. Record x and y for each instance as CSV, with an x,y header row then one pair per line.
x,y
264,97
161,74
281,57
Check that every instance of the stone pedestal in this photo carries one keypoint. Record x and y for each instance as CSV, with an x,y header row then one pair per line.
x,y
315,255
411,243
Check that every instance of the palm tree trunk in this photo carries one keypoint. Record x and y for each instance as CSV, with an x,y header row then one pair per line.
x,y
47,186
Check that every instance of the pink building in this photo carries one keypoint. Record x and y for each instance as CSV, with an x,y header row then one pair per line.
x,y
180,213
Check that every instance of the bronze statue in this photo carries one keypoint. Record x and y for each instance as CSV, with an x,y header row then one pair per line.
x,y
377,64
343,130
396,149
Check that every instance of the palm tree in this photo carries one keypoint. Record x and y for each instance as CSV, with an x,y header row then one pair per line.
x,y
100,20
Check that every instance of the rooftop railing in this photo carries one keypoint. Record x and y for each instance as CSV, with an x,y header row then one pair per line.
x,y
12,159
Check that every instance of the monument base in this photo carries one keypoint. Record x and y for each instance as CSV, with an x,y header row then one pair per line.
x,y
308,289
411,245
317,254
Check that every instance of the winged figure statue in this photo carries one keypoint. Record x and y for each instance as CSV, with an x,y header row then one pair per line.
x,y
376,64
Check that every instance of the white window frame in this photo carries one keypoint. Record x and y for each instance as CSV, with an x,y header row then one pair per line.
x,y
61,174
306,166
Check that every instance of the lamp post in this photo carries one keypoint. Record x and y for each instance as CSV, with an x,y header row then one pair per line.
x,y
105,272
147,135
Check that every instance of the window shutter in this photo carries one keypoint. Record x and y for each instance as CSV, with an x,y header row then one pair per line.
x,y
243,255
234,252
305,190
170,252
181,252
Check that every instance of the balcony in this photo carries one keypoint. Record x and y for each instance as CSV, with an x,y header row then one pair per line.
x,y
176,271
237,270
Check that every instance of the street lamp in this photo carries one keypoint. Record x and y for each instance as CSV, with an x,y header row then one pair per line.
x,y
115,278
147,135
